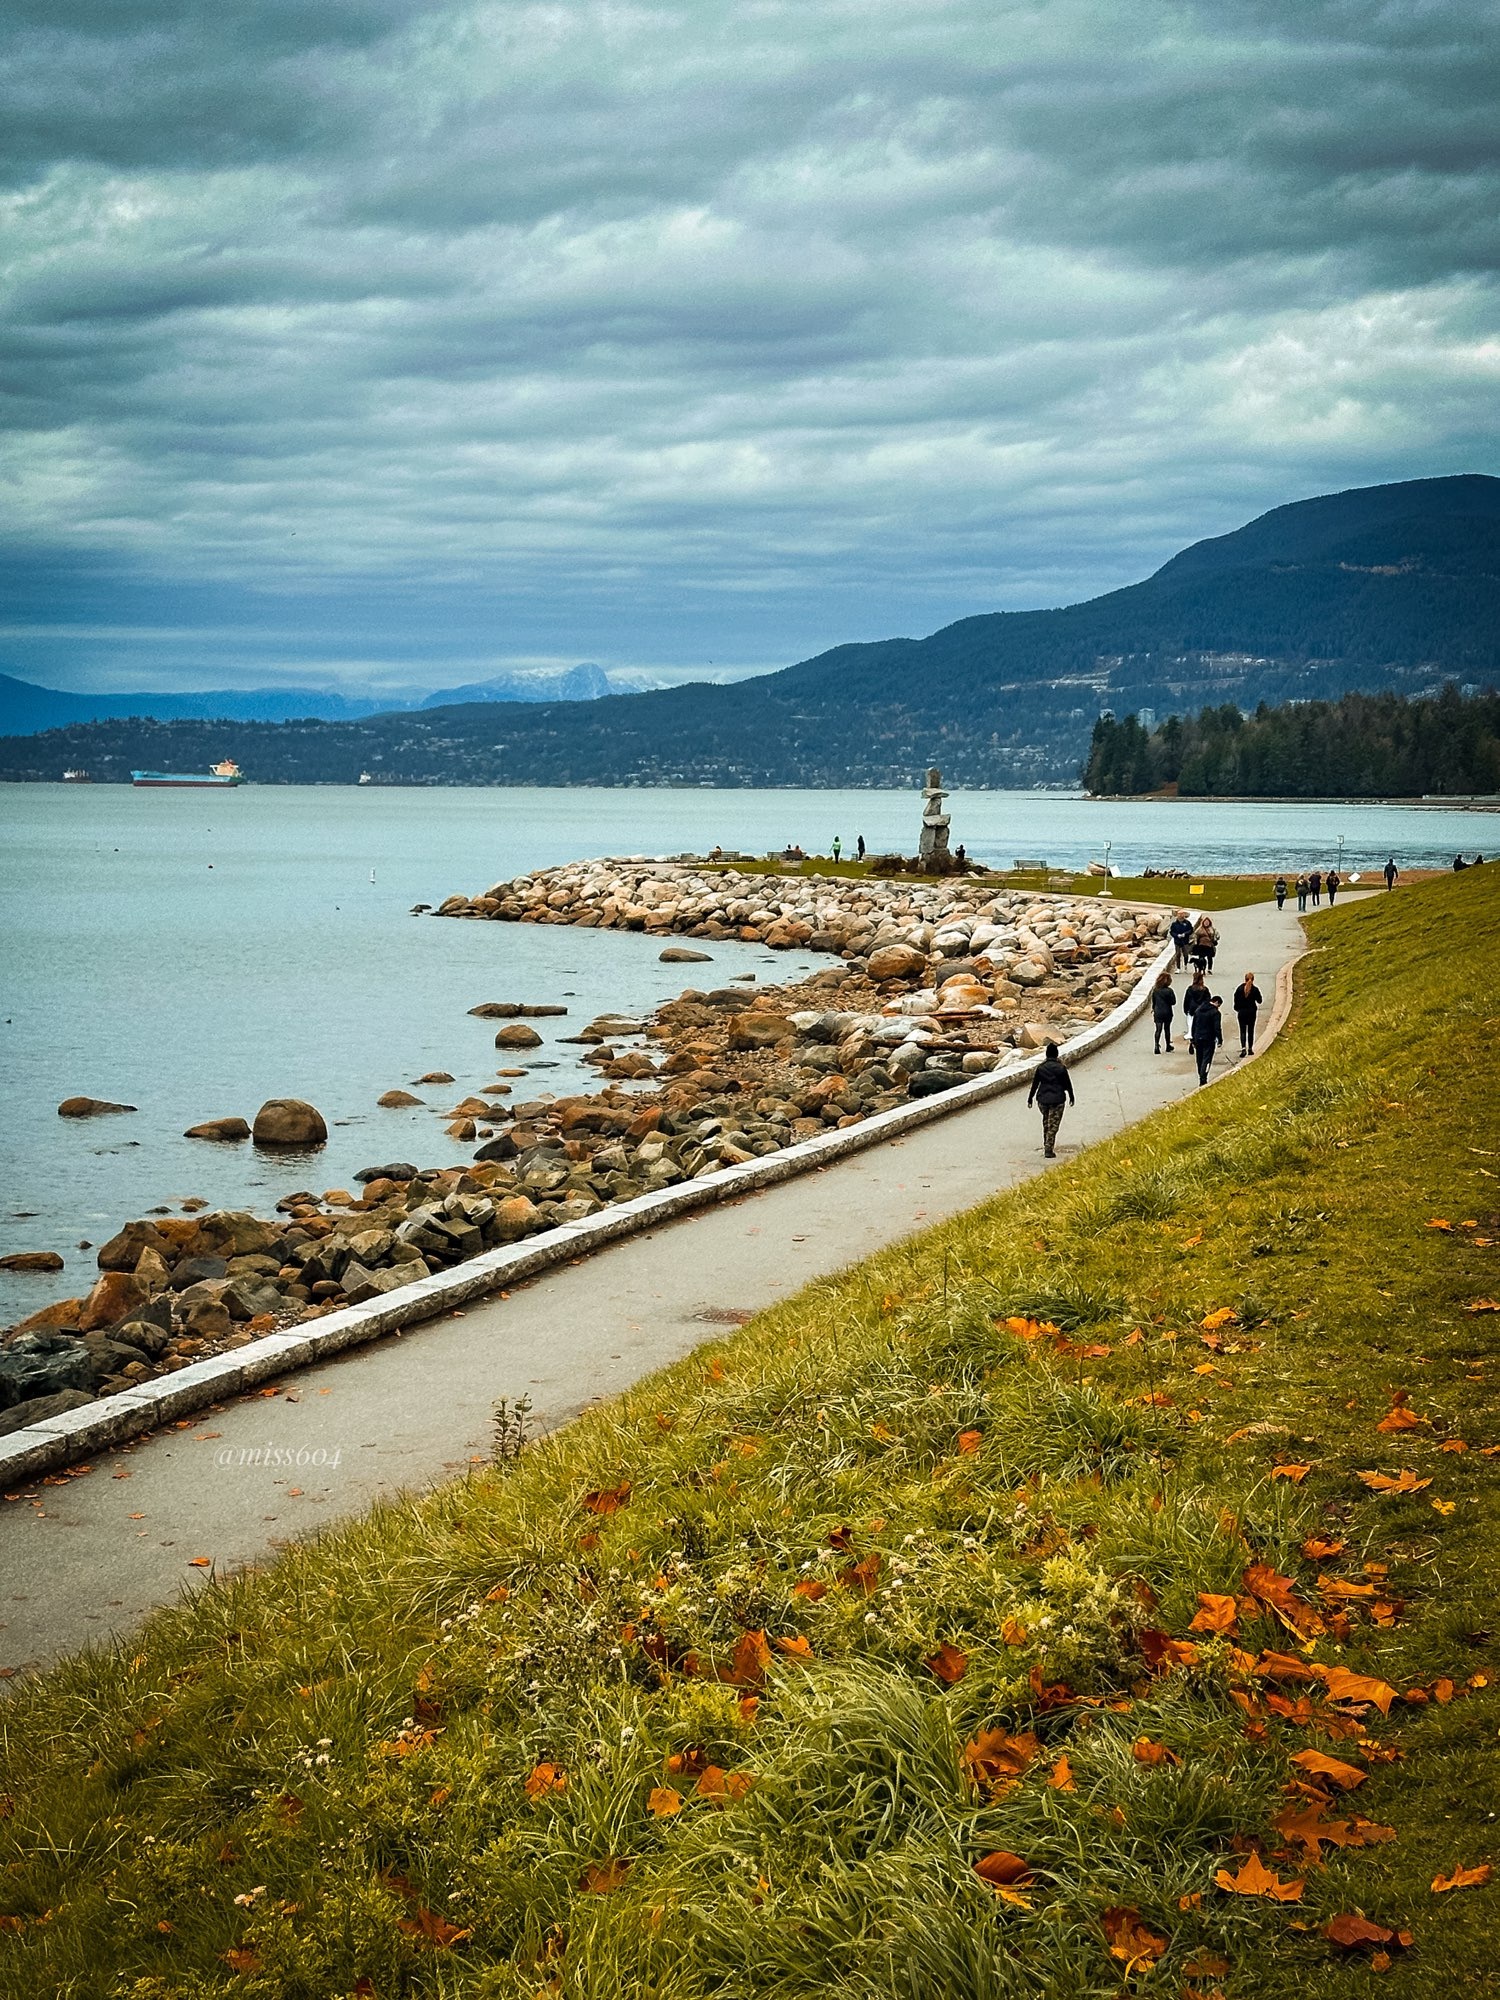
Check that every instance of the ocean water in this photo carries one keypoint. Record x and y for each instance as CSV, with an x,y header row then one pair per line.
x,y
193,953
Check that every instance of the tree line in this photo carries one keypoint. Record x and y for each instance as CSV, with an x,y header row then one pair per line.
x,y
1361,746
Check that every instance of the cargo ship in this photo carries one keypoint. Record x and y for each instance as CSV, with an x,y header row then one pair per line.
x,y
218,775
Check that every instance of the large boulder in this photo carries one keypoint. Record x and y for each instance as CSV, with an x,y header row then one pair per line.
x,y
758,1030
123,1251
676,954
289,1121
89,1107
31,1260
117,1295
36,1409
397,1100
219,1128
41,1364
895,961
518,1036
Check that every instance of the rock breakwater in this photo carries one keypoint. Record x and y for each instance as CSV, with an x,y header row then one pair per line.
x,y
926,986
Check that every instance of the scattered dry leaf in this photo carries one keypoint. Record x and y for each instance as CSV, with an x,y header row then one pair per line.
x,y
1130,1940
602,1878
1462,1878
1318,1764
1255,1879
948,1663
663,1801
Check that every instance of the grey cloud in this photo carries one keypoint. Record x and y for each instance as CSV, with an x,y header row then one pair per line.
x,y
656,319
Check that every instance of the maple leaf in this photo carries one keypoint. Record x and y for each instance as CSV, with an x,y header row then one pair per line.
x,y
1215,1613
546,1778
799,1647
752,1656
1345,1685
1462,1878
1320,1548
1318,1764
1278,1595
1145,1751
810,1588
948,1663
1484,1306
1255,1879
1399,1418
995,1759
1382,1482
1013,1632
1129,1938
1221,1316
862,1575
1060,1778
663,1801
430,1928
608,1499
1295,1473
602,1878
1350,1931
1002,1870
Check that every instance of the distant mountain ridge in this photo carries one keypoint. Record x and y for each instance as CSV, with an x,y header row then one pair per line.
x,y
1389,587
26,708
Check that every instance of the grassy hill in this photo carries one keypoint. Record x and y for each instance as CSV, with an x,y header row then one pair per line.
x,y
1094,1595
1383,587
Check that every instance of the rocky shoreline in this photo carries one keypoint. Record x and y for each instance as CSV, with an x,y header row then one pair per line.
x,y
928,983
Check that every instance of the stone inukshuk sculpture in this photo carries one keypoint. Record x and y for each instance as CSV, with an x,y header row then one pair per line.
x,y
933,851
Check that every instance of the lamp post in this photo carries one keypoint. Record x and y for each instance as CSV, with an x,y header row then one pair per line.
x,y
1341,854
1106,890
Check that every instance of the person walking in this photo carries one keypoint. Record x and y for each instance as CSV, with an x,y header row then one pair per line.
x,y
1280,890
1206,1035
859,847
1051,1088
837,849
1391,871
1163,1007
1205,942
1315,888
1334,884
1182,936
1195,997
1247,1004
1301,894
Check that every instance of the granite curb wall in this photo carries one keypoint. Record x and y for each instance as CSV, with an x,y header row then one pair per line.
x,y
65,1440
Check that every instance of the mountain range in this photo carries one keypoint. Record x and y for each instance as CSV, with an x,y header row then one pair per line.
x,y
26,709
1384,587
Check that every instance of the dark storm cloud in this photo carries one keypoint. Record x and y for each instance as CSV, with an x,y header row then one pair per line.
x,y
638,323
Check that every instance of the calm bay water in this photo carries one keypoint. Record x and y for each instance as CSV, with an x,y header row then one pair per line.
x,y
193,953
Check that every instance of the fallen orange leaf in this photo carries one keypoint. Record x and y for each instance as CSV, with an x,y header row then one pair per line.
x,y
1350,1931
1344,1685
970,1441
799,1647
1222,1316
1462,1878
996,1759
1214,1614
1145,1751
948,1663
1013,1632
200,1562
1400,1418
1382,1482
545,1778
1129,1938
1438,1223
241,1959
1320,1765
602,1878
1319,1548
607,1499
1060,1778
1002,1870
862,1575
752,1656
810,1588
1295,1473
1255,1879
663,1801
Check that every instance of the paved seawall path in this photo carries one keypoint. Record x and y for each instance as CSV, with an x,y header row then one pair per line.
x,y
86,1556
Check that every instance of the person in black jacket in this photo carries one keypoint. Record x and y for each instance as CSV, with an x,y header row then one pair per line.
x,y
1051,1088
1195,997
1280,890
1206,1035
1247,1003
1163,1007
1182,937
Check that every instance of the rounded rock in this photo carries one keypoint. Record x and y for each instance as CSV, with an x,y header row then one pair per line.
x,y
289,1121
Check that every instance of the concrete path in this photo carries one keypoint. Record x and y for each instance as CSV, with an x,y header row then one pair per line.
x,y
85,1556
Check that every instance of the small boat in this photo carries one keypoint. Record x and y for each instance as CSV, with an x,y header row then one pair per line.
x,y
218,775
365,778
76,778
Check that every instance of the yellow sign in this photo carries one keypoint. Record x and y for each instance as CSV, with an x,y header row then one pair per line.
x,y
1196,889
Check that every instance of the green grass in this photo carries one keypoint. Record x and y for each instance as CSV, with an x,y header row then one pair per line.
x,y
1043,1508
1220,892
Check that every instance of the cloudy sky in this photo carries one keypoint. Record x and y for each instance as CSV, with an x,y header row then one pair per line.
x,y
390,342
